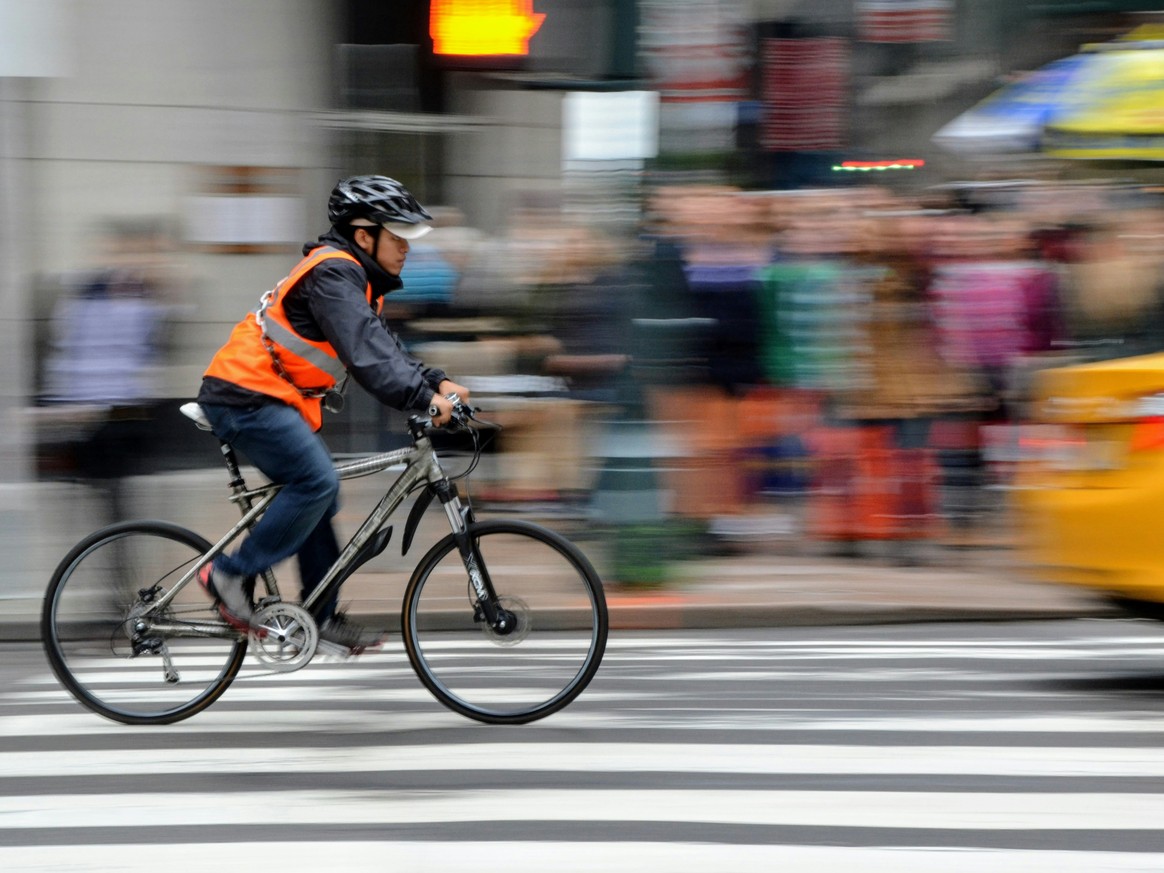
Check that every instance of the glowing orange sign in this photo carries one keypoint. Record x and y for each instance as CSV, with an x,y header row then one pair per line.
x,y
483,28
896,164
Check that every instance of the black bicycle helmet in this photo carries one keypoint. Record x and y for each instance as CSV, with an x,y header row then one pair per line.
x,y
376,198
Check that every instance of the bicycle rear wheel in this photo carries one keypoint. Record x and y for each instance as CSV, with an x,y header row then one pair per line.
x,y
87,626
539,666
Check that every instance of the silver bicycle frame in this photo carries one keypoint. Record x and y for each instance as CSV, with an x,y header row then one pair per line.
x,y
421,465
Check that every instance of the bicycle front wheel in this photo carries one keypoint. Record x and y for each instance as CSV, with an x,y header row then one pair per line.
x,y
540,663
165,674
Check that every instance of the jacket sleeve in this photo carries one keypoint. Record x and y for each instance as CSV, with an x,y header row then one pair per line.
x,y
373,354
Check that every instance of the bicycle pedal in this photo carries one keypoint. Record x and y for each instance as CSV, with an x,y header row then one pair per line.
x,y
333,650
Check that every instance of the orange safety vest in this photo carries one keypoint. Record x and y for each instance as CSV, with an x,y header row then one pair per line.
x,y
265,354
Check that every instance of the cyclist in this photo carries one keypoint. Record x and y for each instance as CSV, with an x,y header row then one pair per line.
x,y
264,389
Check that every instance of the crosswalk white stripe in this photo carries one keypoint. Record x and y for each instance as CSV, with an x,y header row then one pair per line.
x,y
832,809
306,694
648,650
320,695
1049,812
150,671
561,857
604,757
275,683
224,720
750,672
776,720
1009,655
693,643
514,857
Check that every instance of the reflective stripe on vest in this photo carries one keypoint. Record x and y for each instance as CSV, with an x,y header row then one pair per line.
x,y
266,355
293,342
318,354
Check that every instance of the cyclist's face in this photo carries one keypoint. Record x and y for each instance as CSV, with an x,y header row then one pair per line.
x,y
390,252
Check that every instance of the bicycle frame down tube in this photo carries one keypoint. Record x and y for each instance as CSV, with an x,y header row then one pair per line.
x,y
422,466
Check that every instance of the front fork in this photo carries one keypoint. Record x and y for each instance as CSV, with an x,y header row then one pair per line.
x,y
487,607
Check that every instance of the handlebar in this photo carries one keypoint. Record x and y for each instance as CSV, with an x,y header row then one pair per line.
x,y
464,417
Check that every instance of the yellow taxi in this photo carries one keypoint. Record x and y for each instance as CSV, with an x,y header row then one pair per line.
x,y
1091,500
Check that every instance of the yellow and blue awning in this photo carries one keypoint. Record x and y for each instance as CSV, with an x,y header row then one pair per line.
x,y
1124,121
1107,102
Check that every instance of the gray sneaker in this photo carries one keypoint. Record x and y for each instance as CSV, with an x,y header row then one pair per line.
x,y
342,631
234,603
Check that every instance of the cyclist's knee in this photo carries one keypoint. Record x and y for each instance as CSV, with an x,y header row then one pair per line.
x,y
328,487
321,485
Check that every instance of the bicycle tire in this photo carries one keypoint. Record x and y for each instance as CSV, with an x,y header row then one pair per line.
x,y
546,663
86,633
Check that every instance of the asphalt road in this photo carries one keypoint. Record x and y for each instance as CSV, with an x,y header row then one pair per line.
x,y
1016,746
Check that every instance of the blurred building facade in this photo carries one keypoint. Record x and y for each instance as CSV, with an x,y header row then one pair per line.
x,y
233,120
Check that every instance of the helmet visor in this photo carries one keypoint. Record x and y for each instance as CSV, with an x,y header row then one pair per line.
x,y
399,228
407,231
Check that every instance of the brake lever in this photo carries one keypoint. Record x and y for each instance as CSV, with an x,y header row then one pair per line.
x,y
470,421
466,415
475,423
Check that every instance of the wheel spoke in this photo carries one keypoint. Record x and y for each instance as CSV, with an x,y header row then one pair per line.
x,y
550,646
112,652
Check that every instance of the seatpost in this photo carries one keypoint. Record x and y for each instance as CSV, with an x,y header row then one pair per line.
x,y
238,485
238,491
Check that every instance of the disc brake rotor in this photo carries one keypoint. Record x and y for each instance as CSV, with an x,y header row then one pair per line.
x,y
521,615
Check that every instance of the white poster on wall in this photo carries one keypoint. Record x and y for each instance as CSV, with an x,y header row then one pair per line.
x,y
610,126
698,57
35,38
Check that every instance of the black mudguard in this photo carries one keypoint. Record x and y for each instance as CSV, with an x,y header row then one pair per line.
x,y
418,509
371,549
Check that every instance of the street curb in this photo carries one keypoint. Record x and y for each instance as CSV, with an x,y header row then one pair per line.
x,y
686,616
767,616
20,632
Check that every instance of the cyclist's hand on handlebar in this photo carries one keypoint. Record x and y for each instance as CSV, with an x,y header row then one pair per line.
x,y
441,407
448,386
440,410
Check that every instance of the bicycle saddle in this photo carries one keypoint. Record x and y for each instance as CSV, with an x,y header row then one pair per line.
x,y
194,412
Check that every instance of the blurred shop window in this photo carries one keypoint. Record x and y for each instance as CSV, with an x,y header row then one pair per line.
x,y
379,77
905,21
245,210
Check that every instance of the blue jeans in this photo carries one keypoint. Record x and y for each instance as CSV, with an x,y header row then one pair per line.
x,y
277,440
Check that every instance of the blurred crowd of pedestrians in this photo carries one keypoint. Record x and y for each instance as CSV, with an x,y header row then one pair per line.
x,y
840,366
102,350
852,363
